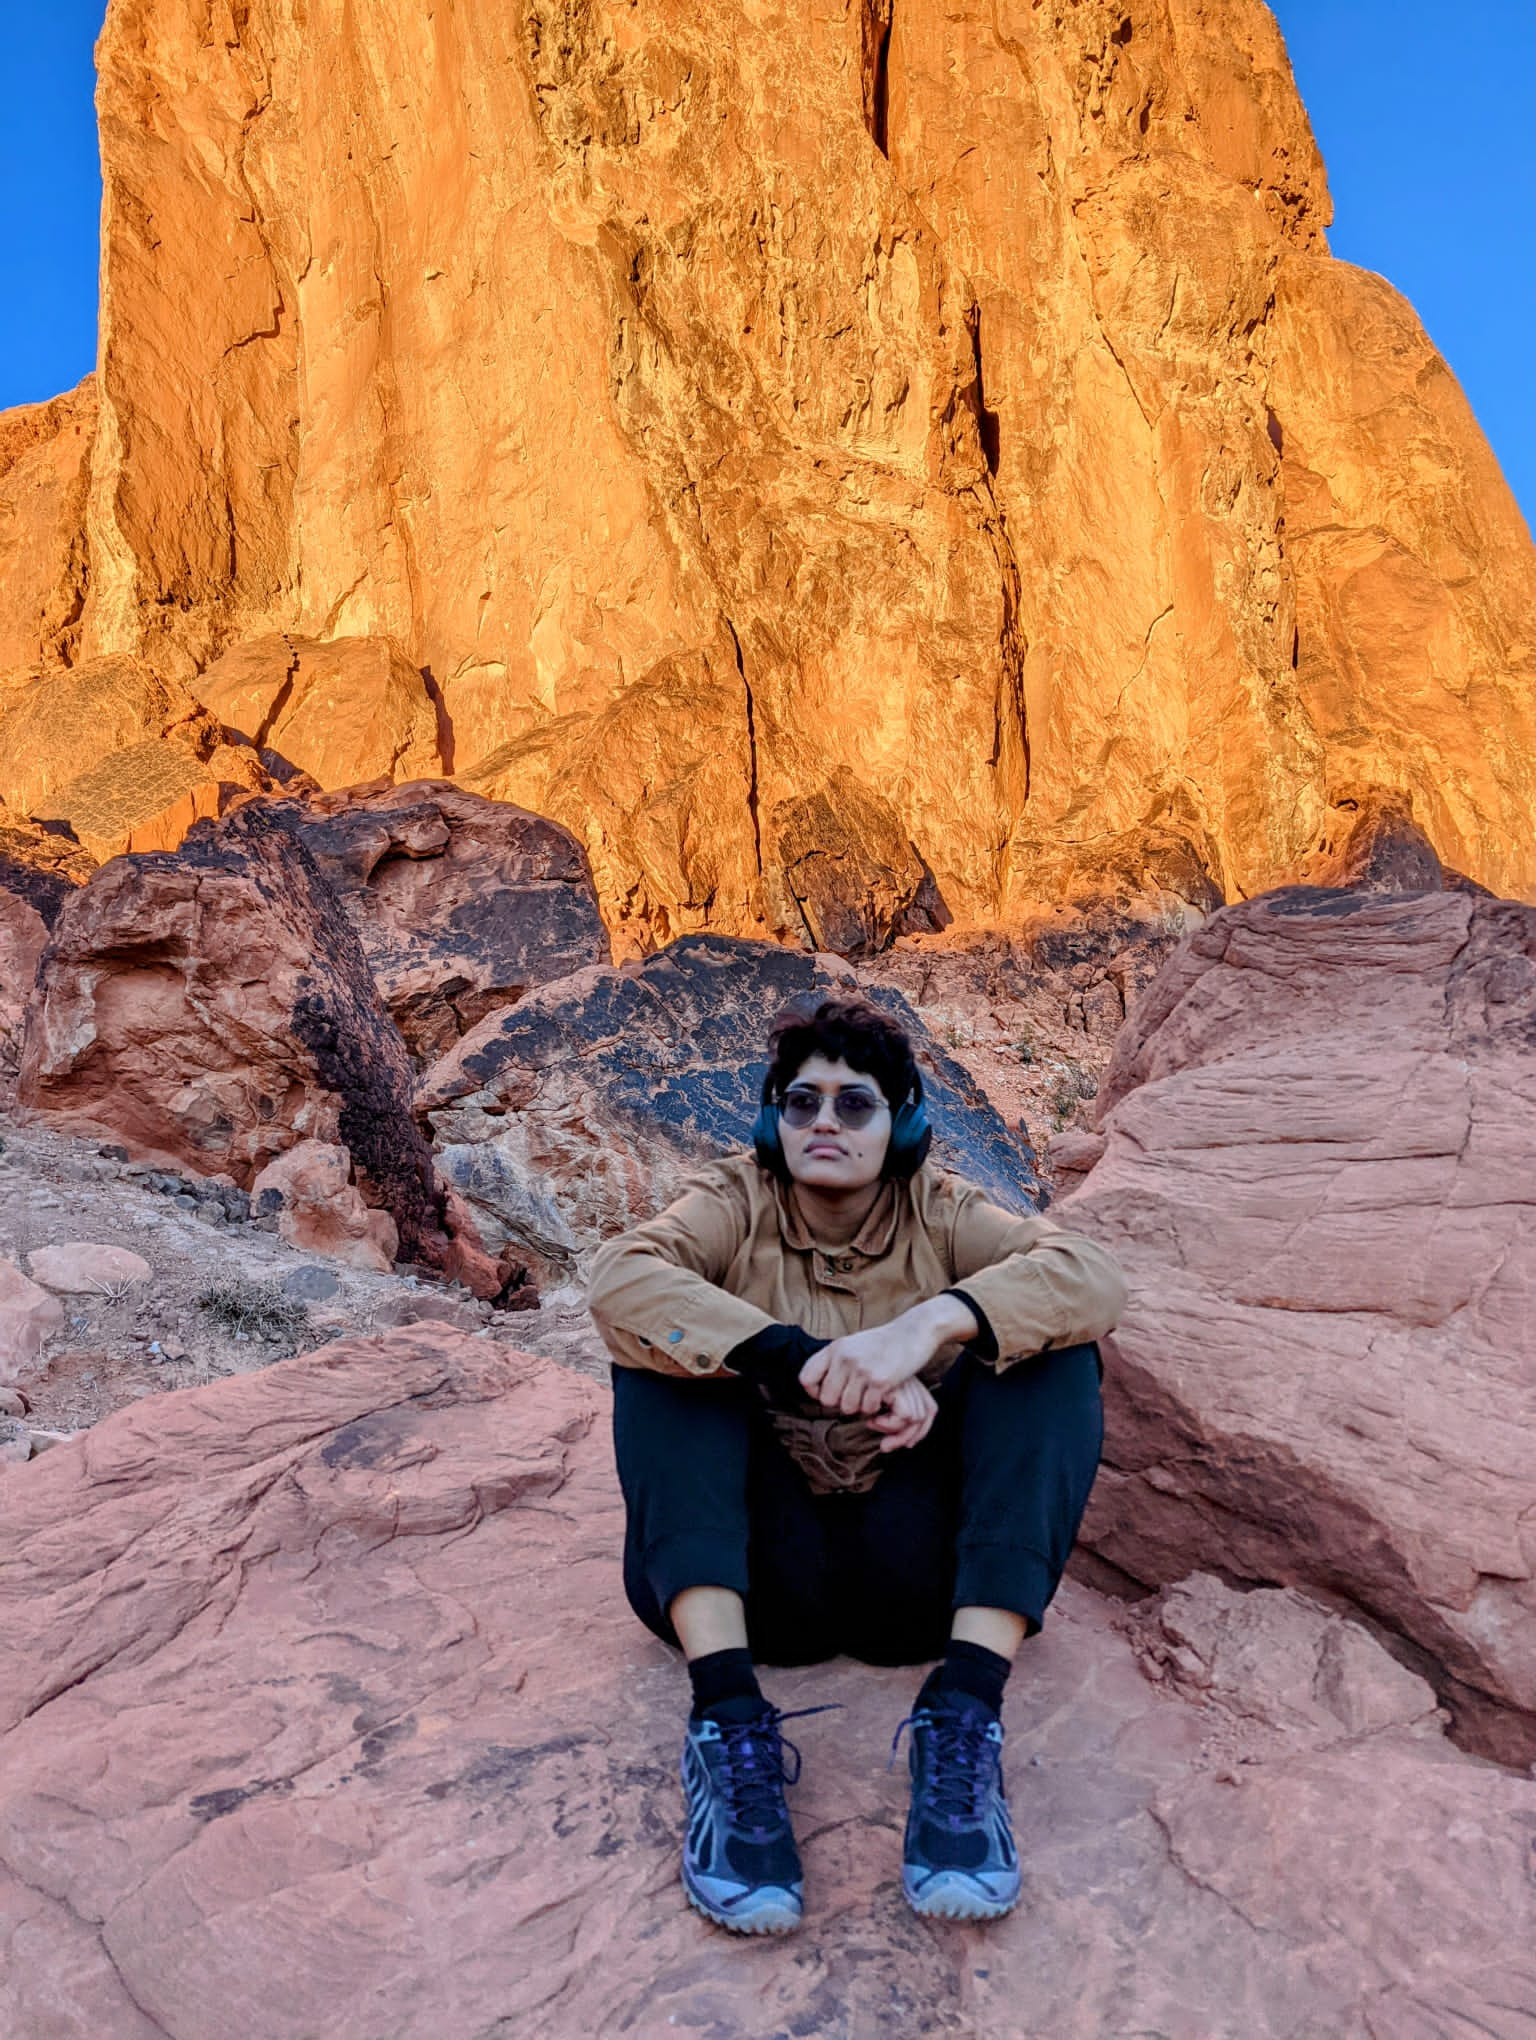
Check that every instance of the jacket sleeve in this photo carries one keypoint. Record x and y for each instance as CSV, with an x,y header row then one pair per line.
x,y
655,1292
1038,1284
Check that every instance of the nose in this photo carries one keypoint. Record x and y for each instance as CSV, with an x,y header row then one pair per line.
x,y
826,1119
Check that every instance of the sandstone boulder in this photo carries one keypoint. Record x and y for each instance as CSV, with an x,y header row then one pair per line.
x,y
343,711
43,865
117,756
320,1210
87,1267
62,724
38,872
422,1780
1316,1139
28,1314
462,904
578,1111
213,1007
148,795
23,937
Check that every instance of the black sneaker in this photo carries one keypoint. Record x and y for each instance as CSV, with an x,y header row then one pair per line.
x,y
959,1861
740,1864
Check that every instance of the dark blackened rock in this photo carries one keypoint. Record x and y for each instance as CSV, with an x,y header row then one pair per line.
x,y
570,1116
462,904
1372,844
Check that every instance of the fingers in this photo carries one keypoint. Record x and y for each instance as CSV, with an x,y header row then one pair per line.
x,y
908,1419
814,1371
838,1382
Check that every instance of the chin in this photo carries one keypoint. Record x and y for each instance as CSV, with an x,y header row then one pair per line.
x,y
829,1175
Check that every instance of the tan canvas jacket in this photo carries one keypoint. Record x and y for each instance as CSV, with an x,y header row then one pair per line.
x,y
732,1256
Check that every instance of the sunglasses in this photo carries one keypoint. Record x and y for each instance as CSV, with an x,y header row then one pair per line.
x,y
800,1106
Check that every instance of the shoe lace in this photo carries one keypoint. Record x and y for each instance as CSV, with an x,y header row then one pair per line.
x,y
753,1766
963,1768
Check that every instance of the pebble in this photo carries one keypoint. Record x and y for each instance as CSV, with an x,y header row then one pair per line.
x,y
311,1284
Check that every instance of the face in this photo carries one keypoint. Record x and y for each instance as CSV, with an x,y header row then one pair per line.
x,y
828,1155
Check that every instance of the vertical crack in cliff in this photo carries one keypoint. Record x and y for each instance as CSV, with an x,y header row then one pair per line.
x,y
1009,759
988,426
752,807
875,63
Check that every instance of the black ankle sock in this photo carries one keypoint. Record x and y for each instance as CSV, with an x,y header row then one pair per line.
x,y
972,1668
724,1678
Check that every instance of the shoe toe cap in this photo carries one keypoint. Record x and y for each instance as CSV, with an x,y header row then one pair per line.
x,y
961,1894
763,1909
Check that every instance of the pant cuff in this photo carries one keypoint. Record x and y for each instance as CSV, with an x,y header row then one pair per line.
x,y
1006,1576
693,1559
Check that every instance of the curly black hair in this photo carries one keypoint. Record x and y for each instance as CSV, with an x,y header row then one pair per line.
x,y
844,1030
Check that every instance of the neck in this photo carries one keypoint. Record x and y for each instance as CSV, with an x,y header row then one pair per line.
x,y
834,1217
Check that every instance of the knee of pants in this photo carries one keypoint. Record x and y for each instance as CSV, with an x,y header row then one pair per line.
x,y
1058,1388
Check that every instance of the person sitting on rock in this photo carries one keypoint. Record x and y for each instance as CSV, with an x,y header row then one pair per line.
x,y
856,1410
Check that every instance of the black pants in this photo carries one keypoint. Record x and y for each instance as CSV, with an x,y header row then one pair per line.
x,y
981,1514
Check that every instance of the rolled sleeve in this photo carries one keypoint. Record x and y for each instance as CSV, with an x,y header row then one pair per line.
x,y
655,1293
1038,1284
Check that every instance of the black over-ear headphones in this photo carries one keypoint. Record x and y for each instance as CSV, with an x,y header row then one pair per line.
x,y
911,1133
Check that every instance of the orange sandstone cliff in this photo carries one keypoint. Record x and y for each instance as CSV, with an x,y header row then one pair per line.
x,y
854,462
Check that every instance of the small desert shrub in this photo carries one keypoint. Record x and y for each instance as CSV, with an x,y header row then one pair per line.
x,y
258,1309
1071,1088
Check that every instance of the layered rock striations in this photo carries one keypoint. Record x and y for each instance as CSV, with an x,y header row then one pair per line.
x,y
1313,1162
857,465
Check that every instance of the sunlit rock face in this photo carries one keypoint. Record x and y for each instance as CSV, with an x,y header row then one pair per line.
x,y
835,458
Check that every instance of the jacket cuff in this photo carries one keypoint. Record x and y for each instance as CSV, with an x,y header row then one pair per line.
x,y
773,1358
984,1345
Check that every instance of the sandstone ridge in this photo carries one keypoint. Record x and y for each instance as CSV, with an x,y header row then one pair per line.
x,y
398,1800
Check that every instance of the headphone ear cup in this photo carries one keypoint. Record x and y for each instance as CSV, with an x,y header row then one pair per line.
x,y
766,1144
911,1138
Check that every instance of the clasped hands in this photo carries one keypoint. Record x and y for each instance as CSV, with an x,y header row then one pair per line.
x,y
874,1373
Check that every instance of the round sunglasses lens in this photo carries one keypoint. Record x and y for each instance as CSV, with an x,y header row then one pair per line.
x,y
853,1108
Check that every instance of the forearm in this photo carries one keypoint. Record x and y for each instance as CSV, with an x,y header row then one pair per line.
x,y
653,1313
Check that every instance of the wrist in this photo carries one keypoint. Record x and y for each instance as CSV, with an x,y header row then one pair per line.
x,y
945,1320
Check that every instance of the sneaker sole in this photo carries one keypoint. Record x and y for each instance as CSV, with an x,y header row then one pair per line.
x,y
947,1900
767,1916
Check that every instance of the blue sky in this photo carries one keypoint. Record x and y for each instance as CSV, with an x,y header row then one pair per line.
x,y
1425,111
